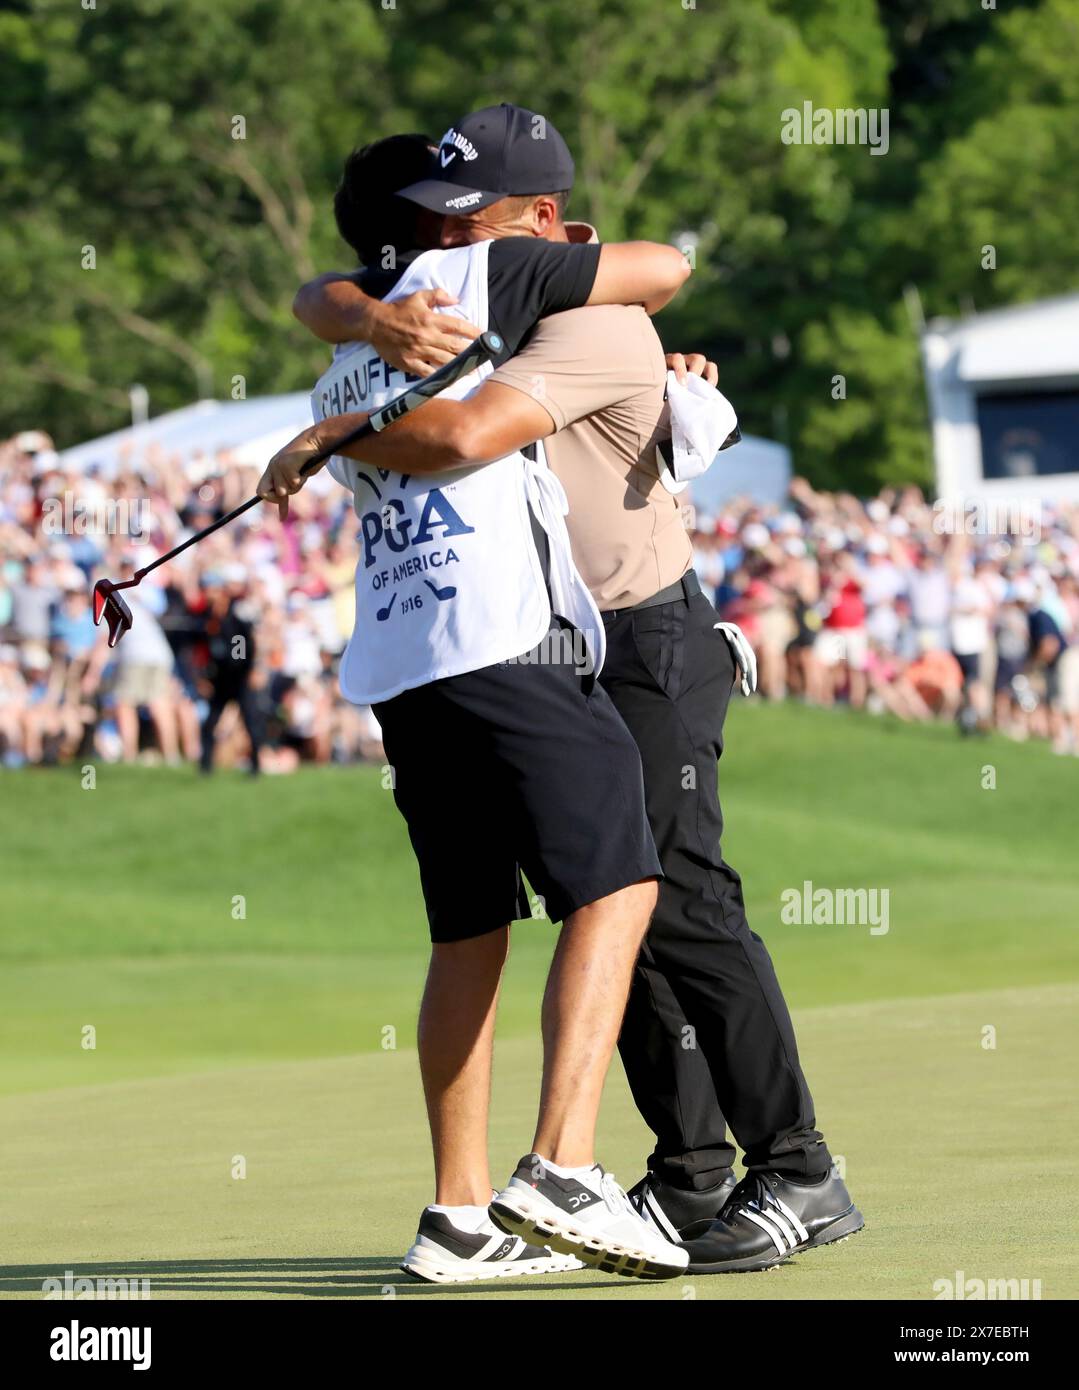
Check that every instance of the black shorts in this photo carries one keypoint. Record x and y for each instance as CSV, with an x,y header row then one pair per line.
x,y
522,766
969,664
1007,670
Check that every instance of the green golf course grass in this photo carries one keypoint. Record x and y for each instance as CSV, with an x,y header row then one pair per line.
x,y
280,1029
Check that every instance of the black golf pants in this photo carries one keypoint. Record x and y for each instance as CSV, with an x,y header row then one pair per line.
x,y
223,695
707,1032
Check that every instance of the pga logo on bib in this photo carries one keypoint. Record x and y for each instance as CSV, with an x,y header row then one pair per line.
x,y
438,520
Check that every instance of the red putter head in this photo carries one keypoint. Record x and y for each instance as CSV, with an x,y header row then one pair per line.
x,y
108,602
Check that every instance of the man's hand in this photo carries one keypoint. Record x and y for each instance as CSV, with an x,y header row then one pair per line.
x,y
693,364
409,334
283,476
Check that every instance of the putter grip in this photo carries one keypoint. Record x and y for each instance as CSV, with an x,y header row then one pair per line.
x,y
485,348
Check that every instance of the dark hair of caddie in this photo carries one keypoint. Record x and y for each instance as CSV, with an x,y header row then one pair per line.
x,y
370,217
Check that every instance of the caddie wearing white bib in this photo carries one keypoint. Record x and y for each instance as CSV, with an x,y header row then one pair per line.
x,y
449,578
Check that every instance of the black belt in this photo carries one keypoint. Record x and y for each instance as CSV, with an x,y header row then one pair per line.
x,y
681,591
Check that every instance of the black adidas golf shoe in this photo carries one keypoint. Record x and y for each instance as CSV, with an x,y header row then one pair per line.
x,y
769,1217
679,1213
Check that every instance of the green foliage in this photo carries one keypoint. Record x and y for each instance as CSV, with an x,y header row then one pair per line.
x,y
881,424
1008,180
119,134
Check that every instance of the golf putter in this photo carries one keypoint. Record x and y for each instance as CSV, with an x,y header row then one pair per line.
x,y
107,601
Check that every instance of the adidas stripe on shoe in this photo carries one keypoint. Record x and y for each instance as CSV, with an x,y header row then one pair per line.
x,y
770,1217
679,1213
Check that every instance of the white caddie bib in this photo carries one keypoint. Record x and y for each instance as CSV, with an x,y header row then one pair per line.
x,y
448,578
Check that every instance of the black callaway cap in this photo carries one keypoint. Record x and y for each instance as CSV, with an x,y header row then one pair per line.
x,y
499,152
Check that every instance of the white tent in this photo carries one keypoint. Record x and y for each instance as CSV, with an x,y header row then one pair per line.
x,y
251,431
755,468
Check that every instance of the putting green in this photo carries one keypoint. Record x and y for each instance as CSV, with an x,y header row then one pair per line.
x,y
244,954
961,1158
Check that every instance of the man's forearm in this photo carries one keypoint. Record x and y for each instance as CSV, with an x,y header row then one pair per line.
x,y
335,309
432,440
445,435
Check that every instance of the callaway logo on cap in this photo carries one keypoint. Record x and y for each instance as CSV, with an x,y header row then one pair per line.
x,y
499,152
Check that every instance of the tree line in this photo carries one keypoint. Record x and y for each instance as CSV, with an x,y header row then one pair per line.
x,y
167,167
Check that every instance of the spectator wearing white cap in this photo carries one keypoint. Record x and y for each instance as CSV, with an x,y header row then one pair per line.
x,y
302,656
881,579
842,645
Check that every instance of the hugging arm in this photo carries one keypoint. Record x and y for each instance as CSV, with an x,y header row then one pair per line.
x,y
413,336
446,435
639,272
441,436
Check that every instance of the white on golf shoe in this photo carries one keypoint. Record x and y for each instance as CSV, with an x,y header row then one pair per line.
x,y
587,1215
461,1245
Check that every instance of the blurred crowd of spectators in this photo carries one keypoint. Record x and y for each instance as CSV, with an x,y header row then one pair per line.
x,y
889,605
232,655
898,606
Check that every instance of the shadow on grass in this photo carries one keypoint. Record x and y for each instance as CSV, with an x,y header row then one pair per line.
x,y
359,1277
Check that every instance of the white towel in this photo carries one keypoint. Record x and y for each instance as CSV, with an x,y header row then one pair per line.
x,y
701,419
